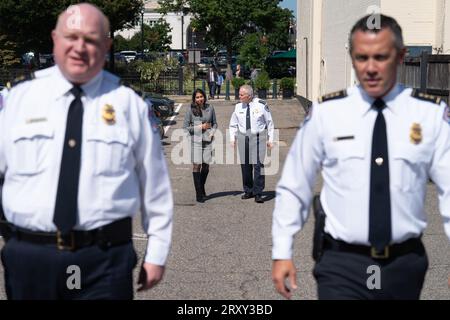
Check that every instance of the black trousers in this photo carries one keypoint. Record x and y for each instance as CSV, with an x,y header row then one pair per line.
x,y
345,276
42,272
252,150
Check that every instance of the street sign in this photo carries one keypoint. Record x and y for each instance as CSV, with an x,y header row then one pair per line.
x,y
194,56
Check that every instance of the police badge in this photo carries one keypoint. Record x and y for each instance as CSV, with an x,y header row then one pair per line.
x,y
416,133
109,114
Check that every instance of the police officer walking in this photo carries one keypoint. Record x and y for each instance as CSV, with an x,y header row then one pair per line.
x,y
251,123
80,159
377,144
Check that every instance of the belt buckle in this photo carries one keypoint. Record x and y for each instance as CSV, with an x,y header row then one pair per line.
x,y
61,243
384,255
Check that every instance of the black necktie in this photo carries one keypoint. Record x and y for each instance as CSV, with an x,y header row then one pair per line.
x,y
248,125
66,205
380,199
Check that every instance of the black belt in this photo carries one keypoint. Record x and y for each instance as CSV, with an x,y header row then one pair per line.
x,y
115,233
391,251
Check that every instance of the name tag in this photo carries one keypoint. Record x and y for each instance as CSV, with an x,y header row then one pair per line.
x,y
35,120
344,138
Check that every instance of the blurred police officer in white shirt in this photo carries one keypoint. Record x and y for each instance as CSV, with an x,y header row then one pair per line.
x,y
80,159
377,145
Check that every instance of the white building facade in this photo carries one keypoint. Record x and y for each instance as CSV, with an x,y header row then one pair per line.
x,y
177,21
323,62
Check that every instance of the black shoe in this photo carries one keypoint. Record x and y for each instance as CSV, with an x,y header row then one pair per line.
x,y
259,199
246,196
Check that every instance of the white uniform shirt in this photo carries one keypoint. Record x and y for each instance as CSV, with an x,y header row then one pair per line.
x,y
337,139
123,169
260,119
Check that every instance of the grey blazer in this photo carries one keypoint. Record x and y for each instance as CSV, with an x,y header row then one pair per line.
x,y
208,116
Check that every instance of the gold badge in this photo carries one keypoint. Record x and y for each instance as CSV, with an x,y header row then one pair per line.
x,y
416,133
109,114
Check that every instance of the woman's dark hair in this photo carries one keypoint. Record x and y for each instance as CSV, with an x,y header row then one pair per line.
x,y
195,110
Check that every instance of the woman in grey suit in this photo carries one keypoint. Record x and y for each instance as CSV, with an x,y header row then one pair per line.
x,y
200,122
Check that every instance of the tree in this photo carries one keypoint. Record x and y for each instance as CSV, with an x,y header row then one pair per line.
x,y
8,56
227,22
156,37
30,22
254,50
120,43
122,14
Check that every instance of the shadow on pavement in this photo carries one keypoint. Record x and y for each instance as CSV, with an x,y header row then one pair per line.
x,y
223,194
266,195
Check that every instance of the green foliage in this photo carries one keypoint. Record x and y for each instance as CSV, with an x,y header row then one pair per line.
x,y
227,22
30,22
8,55
253,51
262,81
287,83
237,82
121,44
156,38
150,71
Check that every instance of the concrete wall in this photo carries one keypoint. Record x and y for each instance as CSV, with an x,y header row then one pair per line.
x,y
339,16
417,18
304,34
327,23
446,27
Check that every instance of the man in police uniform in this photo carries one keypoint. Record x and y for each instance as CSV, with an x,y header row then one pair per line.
x,y
251,123
79,159
377,145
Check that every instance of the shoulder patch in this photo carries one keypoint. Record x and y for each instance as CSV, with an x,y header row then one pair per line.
x,y
425,97
332,96
19,79
307,117
266,107
447,114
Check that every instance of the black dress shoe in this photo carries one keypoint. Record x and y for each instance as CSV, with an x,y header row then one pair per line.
x,y
259,199
246,196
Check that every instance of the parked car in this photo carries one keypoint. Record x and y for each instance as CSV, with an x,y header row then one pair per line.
x,y
203,66
155,121
129,55
162,106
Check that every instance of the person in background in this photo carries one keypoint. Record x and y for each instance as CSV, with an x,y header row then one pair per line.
x,y
219,84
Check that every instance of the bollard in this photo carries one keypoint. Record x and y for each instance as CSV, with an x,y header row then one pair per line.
x,y
227,90
274,89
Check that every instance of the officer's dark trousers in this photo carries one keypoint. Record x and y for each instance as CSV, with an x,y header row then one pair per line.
x,y
253,178
344,275
42,272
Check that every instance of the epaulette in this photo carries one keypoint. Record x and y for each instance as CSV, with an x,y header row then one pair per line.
x,y
20,79
425,96
335,95
264,102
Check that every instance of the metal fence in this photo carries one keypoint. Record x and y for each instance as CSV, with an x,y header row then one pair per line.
x,y
430,73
